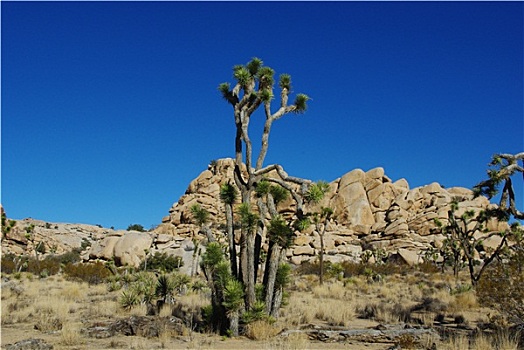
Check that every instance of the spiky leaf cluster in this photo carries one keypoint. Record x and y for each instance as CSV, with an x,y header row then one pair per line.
x,y
228,193
301,103
248,219
165,287
317,191
285,81
280,232
213,255
233,295
200,215
278,193
262,188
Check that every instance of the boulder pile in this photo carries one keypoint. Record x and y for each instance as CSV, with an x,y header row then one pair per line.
x,y
371,212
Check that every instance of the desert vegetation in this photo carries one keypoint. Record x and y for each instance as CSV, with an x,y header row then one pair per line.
x,y
252,298
413,307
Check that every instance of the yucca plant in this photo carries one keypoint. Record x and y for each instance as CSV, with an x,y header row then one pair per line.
x,y
129,299
317,191
165,289
233,302
201,217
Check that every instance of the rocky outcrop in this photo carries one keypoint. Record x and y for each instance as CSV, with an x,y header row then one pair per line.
x,y
370,212
29,235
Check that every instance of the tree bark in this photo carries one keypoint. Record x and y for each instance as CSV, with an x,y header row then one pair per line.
x,y
250,282
277,302
231,240
233,318
271,273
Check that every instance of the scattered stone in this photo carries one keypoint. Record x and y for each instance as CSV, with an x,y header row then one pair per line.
x,y
29,344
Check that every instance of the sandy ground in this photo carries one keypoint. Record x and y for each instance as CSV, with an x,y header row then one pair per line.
x,y
11,334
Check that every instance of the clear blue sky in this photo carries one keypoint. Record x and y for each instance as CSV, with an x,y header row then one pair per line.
x,y
110,109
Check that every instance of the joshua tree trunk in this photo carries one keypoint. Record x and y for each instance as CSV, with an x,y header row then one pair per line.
x,y
277,302
233,318
250,282
270,274
231,240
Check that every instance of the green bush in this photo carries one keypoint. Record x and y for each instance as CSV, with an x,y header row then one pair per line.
x,y
67,258
92,273
43,268
502,287
162,262
136,227
11,263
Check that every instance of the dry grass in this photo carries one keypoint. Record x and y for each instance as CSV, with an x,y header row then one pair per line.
x,y
70,335
336,313
459,342
301,309
463,302
59,307
261,330
506,341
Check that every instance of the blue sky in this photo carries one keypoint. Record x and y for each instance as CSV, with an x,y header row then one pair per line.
x,y
110,109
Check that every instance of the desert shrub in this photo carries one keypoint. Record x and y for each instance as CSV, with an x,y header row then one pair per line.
x,y
308,268
502,287
92,273
43,268
12,263
113,286
136,227
70,335
428,267
385,312
388,268
331,270
67,258
353,269
256,313
162,262
429,304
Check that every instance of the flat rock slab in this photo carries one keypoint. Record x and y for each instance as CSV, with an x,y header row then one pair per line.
x,y
379,334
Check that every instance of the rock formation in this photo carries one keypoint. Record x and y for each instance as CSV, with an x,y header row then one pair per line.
x,y
370,212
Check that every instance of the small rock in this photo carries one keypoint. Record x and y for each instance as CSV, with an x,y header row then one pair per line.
x,y
29,344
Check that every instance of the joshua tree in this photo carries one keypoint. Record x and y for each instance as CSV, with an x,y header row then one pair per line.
x,y
503,167
228,195
254,88
462,242
233,302
201,217
320,218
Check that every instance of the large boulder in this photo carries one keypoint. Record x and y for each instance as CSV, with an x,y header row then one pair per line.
x,y
131,248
